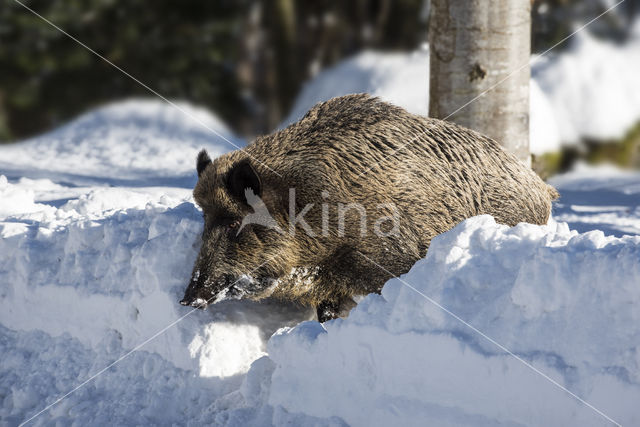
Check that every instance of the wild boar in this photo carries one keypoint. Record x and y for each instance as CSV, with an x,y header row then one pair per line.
x,y
302,214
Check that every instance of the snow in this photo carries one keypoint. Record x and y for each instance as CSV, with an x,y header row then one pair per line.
x,y
590,90
99,232
106,145
564,302
601,197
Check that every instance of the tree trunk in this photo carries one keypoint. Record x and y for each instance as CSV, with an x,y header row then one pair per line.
x,y
475,45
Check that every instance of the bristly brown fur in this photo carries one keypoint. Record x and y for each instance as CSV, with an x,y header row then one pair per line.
x,y
361,150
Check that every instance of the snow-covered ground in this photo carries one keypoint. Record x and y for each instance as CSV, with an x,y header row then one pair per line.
x,y
591,90
98,233
602,198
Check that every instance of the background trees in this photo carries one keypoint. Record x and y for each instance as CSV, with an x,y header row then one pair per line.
x,y
244,59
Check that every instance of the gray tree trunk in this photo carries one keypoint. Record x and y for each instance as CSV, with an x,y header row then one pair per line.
x,y
474,45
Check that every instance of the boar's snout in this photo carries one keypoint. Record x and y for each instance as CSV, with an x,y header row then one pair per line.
x,y
203,290
193,295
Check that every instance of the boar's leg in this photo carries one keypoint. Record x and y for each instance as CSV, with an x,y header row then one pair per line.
x,y
328,310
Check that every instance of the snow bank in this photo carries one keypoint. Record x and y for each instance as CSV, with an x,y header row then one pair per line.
x,y
591,90
564,302
86,282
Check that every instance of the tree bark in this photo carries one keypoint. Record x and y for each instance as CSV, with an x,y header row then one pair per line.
x,y
475,45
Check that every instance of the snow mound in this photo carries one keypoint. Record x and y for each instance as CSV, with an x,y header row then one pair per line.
x,y
591,90
564,302
125,140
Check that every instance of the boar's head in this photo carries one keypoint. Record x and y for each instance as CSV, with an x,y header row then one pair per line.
x,y
244,249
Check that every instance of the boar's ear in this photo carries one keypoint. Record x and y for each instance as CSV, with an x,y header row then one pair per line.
x,y
203,161
243,176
